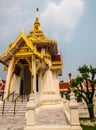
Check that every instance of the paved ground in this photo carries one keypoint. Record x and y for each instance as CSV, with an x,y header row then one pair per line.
x,y
44,115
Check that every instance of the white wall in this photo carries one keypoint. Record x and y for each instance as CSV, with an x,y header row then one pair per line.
x,y
15,84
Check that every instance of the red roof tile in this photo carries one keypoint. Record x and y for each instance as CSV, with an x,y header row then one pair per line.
x,y
63,86
56,58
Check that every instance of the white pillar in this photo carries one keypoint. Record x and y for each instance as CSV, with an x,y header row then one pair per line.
x,y
49,93
40,82
74,116
33,78
8,78
56,82
30,116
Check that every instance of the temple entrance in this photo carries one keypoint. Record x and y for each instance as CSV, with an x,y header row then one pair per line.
x,y
22,70
26,85
21,87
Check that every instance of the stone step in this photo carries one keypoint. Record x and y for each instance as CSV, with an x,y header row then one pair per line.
x,y
46,118
9,109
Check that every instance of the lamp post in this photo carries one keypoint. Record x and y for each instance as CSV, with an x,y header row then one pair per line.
x,y
70,76
70,79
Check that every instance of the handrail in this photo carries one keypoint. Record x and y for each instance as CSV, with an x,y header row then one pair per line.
x,y
23,97
6,99
9,96
2,94
15,103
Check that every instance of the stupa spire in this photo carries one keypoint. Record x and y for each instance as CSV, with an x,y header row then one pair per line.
x,y
37,12
37,19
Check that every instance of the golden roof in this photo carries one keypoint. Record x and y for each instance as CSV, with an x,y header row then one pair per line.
x,y
36,34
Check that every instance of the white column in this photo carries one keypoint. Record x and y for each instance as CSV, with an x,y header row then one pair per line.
x,y
33,78
8,78
56,82
40,82
49,93
74,116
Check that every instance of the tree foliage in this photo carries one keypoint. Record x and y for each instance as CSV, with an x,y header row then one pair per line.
x,y
84,86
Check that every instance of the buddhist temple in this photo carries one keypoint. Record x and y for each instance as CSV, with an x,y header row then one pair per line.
x,y
33,64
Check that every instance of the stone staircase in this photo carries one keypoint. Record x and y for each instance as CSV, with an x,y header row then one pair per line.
x,y
45,115
11,121
9,109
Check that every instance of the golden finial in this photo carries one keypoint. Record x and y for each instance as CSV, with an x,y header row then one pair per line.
x,y
37,12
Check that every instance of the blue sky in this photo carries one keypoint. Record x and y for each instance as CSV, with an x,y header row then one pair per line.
x,y
71,23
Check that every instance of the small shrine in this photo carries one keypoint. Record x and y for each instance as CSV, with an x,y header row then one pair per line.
x,y
32,64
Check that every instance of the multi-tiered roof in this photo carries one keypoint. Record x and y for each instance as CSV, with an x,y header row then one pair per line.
x,y
35,41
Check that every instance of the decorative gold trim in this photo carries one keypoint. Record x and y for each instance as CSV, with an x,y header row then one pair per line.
x,y
28,59
6,68
56,62
38,67
28,43
56,67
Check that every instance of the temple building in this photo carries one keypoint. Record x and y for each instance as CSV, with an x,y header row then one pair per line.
x,y
33,64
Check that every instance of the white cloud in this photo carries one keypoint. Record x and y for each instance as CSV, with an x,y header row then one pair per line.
x,y
60,21
13,19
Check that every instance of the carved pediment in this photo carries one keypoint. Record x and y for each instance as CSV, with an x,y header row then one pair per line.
x,y
24,49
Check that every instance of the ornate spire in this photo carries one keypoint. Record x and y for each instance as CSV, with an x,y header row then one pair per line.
x,y
37,12
36,34
37,24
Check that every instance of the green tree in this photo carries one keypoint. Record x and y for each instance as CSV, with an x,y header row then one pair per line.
x,y
84,86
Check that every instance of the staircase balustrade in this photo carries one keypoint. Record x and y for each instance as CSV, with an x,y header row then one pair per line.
x,y
6,99
25,94
2,94
22,98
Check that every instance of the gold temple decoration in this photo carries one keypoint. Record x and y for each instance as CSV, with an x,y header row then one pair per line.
x,y
36,34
